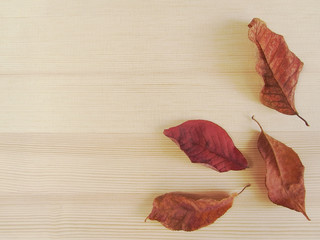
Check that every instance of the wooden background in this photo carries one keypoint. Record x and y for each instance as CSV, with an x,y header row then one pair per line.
x,y
87,87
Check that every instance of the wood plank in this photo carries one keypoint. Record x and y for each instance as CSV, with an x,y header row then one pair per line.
x,y
87,87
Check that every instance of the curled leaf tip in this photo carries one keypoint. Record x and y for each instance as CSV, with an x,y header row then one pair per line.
x,y
305,214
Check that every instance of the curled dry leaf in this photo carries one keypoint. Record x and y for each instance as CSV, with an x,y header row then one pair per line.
x,y
284,176
278,66
207,143
189,212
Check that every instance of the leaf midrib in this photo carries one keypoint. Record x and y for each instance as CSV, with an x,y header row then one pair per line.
x,y
278,85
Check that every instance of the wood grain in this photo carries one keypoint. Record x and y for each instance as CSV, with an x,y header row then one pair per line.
x,y
87,87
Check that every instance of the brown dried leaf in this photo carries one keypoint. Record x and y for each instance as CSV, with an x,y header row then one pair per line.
x,y
278,66
189,212
207,143
284,177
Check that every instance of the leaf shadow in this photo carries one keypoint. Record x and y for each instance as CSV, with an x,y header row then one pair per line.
x,y
238,58
258,170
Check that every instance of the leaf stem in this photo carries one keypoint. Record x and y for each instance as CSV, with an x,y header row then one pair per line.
x,y
248,185
257,123
303,120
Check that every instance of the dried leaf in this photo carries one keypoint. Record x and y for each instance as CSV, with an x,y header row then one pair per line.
x,y
207,143
278,66
189,212
284,176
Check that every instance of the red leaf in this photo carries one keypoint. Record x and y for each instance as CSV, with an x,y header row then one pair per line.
x,y
207,143
284,177
189,212
278,66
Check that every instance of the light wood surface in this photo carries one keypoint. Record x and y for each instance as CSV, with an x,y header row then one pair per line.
x,y
87,87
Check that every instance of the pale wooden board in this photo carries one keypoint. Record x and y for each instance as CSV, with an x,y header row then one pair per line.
x,y
87,87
